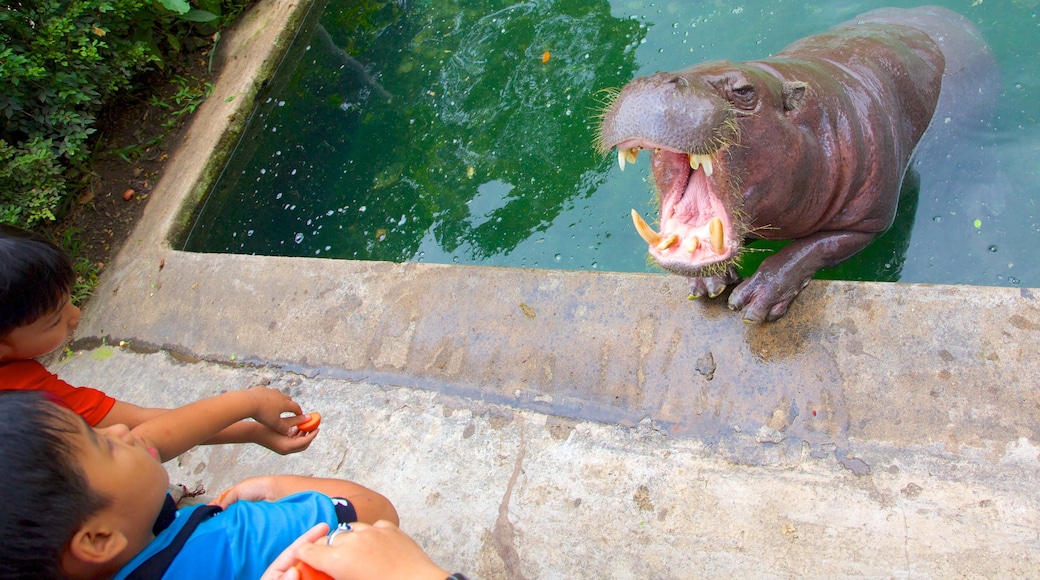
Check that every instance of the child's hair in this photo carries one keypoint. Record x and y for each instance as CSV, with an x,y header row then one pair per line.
x,y
35,276
45,495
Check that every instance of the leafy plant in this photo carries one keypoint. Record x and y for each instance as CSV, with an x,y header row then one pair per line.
x,y
190,94
61,61
86,271
31,182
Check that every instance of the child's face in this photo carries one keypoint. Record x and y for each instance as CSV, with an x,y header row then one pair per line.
x,y
46,334
125,469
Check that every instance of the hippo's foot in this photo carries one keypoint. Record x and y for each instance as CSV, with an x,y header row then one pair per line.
x,y
766,295
712,286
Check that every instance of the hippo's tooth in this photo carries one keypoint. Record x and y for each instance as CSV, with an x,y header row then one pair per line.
x,y
692,244
697,161
668,242
717,237
646,232
629,155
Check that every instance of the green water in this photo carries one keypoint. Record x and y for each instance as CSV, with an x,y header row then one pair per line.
x,y
462,133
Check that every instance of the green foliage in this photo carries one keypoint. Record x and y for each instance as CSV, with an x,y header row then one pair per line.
x,y
61,61
86,272
190,94
31,182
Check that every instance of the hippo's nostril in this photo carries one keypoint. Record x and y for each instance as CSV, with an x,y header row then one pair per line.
x,y
680,81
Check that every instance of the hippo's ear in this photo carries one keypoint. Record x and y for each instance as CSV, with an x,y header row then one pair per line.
x,y
794,92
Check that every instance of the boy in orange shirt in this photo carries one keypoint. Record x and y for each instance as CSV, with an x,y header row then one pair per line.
x,y
37,317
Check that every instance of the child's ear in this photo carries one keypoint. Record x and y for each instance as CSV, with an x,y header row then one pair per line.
x,y
96,542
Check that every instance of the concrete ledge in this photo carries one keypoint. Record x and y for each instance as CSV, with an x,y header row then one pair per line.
x,y
533,423
889,362
500,492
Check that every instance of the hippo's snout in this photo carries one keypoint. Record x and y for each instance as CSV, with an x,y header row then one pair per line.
x,y
668,111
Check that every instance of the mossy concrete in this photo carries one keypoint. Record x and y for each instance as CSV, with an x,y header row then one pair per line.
x,y
553,424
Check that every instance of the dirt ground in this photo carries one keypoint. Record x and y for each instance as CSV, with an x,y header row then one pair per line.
x,y
113,194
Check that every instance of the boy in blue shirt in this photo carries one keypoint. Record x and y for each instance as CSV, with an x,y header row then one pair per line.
x,y
81,502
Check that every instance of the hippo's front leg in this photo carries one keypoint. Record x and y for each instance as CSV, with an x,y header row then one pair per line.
x,y
767,294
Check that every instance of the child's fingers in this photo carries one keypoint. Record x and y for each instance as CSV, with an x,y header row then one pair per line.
x,y
283,566
303,436
322,557
295,444
293,407
310,422
286,425
293,426
226,498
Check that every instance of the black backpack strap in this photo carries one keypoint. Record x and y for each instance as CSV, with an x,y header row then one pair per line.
x,y
345,512
155,566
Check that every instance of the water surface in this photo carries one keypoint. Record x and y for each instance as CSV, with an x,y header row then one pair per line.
x,y
455,132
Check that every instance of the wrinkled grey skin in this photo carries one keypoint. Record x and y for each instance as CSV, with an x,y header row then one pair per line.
x,y
810,145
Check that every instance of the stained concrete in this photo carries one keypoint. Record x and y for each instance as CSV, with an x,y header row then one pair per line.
x,y
551,424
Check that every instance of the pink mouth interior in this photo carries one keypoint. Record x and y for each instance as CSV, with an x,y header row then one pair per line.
x,y
689,201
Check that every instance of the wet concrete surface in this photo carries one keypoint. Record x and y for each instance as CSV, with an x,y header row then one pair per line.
x,y
552,424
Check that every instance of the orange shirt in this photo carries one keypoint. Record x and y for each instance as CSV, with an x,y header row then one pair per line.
x,y
29,375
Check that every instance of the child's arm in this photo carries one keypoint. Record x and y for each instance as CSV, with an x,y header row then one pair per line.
x,y
131,415
370,506
180,429
128,414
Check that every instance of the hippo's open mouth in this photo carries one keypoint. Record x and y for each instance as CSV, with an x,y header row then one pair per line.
x,y
698,233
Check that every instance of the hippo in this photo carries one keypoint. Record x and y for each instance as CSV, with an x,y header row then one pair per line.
x,y
810,145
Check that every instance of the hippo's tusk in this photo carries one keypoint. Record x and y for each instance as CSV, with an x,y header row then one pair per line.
x,y
629,155
701,161
718,238
692,245
646,232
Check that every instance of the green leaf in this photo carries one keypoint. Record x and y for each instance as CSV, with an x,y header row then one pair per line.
x,y
199,16
209,6
178,6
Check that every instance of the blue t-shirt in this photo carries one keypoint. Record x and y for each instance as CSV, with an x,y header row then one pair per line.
x,y
241,541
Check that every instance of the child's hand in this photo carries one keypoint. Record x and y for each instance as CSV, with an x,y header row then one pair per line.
x,y
261,488
270,404
283,567
294,442
368,551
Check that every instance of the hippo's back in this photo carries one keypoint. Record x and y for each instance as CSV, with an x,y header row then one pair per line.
x,y
955,159
971,79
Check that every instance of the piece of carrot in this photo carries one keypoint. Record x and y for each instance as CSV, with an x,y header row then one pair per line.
x,y
311,423
309,573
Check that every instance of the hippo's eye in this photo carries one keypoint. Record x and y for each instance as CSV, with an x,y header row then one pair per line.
x,y
744,92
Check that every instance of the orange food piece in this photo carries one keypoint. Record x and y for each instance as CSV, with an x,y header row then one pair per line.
x,y
311,423
545,56
309,573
